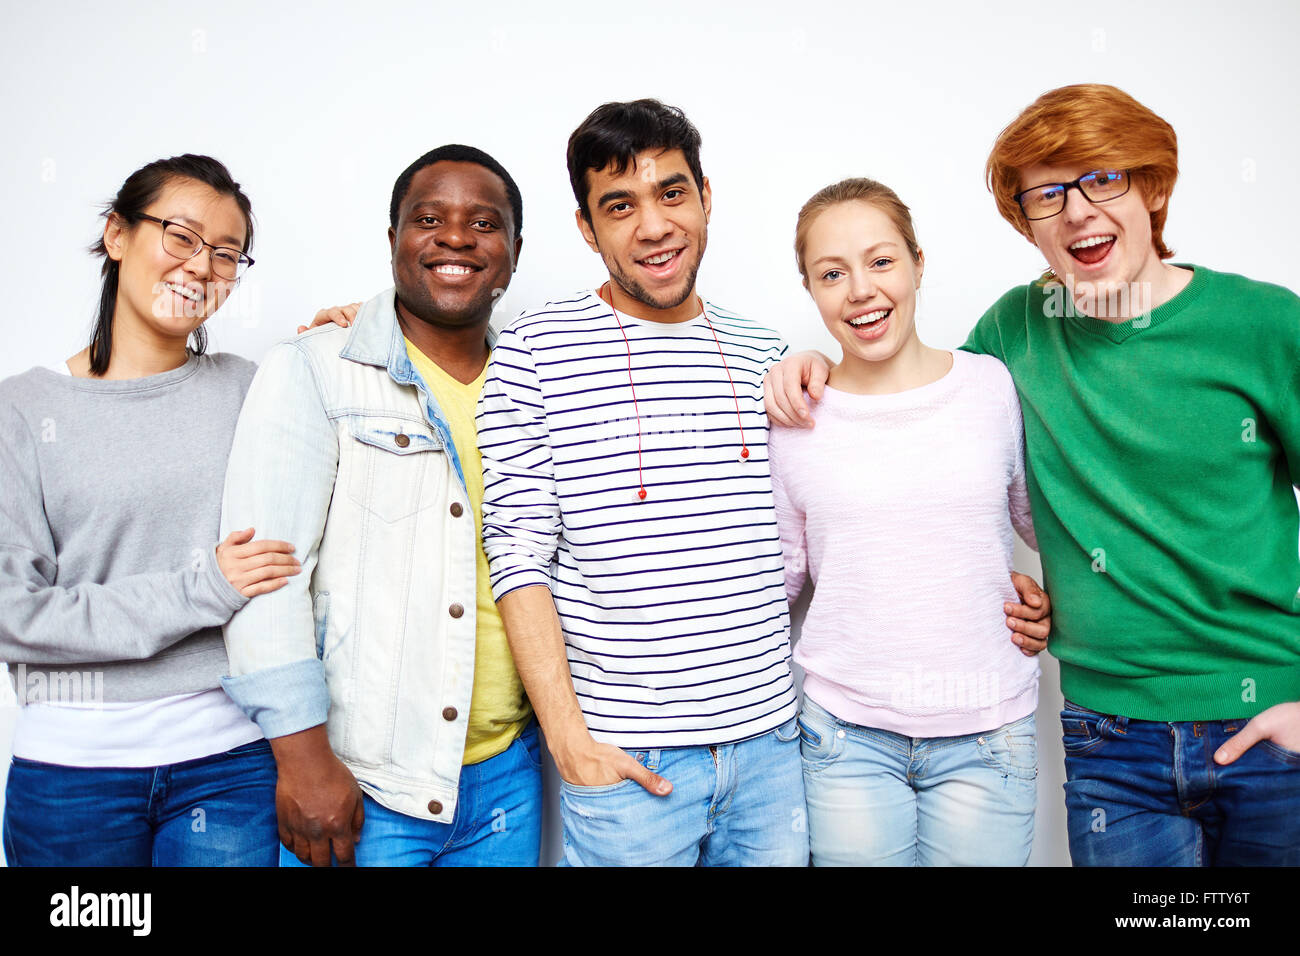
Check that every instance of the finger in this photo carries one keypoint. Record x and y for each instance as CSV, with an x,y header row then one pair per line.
x,y
270,572
1034,629
1024,612
774,411
345,848
268,559
302,329
651,781
358,819
818,375
1029,641
270,544
1026,586
792,399
1240,742
320,851
301,849
266,587
248,563
238,538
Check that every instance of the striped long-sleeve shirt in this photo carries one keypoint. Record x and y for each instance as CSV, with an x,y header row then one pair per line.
x,y
673,607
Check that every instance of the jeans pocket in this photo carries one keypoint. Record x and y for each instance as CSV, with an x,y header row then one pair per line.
x,y
532,746
262,746
1081,730
787,731
1290,758
1011,750
821,741
640,756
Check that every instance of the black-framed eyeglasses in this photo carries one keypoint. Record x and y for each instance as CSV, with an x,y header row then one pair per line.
x,y
1047,200
182,242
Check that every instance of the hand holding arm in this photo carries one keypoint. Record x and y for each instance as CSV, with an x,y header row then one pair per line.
x,y
1031,620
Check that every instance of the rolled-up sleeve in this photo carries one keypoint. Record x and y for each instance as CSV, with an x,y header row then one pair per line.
x,y
521,512
280,480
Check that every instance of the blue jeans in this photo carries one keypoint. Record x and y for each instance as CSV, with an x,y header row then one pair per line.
x,y
215,811
498,820
1148,793
877,798
735,804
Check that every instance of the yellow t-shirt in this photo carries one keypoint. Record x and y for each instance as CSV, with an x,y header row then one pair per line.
x,y
499,709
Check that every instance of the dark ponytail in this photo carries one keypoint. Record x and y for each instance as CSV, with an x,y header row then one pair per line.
x,y
141,188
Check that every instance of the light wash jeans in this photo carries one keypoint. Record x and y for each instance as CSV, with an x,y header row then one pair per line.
x,y
498,818
877,798
735,804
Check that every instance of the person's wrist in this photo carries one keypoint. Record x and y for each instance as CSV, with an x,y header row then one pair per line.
x,y
571,748
307,748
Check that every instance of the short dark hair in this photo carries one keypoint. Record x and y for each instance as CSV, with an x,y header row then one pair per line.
x,y
456,153
141,188
616,132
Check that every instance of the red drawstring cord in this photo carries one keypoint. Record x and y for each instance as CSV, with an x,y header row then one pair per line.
x,y
744,448
635,410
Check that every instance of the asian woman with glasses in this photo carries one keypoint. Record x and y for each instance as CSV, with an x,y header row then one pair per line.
x,y
113,586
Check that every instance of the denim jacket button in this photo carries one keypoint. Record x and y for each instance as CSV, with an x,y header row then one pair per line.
x,y
435,807
449,713
455,610
456,509
402,441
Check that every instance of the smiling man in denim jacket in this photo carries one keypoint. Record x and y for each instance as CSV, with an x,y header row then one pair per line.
x,y
382,676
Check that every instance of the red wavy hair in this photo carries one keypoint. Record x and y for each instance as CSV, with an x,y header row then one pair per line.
x,y
1087,124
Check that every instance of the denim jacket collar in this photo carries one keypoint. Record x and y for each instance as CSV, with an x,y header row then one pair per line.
x,y
376,339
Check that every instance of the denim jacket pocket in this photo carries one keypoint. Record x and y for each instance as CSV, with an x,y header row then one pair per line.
x,y
389,464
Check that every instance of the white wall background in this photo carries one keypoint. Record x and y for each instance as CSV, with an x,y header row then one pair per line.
x,y
317,108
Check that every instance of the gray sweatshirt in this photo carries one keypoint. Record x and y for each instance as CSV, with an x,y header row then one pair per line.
x,y
110,497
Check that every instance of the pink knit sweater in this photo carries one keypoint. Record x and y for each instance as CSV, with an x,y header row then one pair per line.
x,y
900,508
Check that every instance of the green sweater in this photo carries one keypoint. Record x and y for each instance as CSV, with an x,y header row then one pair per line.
x,y
1161,457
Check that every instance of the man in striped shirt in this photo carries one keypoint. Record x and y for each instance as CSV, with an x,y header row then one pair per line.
x,y
630,530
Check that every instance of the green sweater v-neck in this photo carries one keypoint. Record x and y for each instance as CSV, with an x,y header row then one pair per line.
x,y
1161,457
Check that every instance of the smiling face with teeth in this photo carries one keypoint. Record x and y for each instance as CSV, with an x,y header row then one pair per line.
x,y
864,281
650,226
454,247
1103,246
159,296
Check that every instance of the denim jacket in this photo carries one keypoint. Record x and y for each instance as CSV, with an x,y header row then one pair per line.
x,y
341,450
